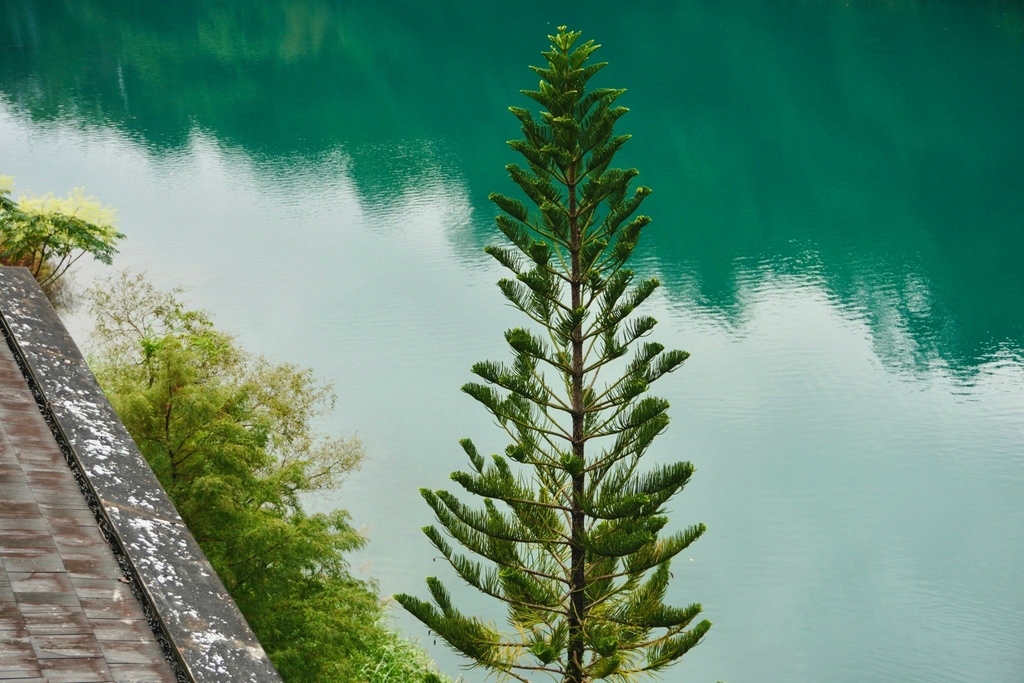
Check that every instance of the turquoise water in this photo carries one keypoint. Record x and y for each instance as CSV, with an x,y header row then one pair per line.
x,y
838,207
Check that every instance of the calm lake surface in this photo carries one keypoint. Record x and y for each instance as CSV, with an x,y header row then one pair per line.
x,y
838,220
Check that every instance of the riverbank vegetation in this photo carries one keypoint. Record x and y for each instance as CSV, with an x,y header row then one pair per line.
x,y
231,437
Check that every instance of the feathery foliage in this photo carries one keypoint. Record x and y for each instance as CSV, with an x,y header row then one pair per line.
x,y
231,438
569,535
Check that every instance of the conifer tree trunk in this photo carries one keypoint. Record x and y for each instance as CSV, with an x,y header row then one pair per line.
x,y
578,578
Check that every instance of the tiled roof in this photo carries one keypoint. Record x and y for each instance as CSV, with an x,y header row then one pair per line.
x,y
66,610
99,578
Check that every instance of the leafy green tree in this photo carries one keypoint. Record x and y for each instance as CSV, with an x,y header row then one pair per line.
x,y
570,532
49,234
231,438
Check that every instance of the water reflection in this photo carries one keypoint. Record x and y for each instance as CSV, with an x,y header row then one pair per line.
x,y
836,220
872,147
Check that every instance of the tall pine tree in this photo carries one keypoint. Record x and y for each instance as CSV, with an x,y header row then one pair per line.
x,y
569,532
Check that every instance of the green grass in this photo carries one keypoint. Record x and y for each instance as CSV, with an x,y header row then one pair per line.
x,y
398,660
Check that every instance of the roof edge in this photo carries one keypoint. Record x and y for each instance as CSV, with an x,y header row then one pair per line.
x,y
177,585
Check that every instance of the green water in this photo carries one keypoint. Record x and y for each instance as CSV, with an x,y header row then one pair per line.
x,y
838,205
